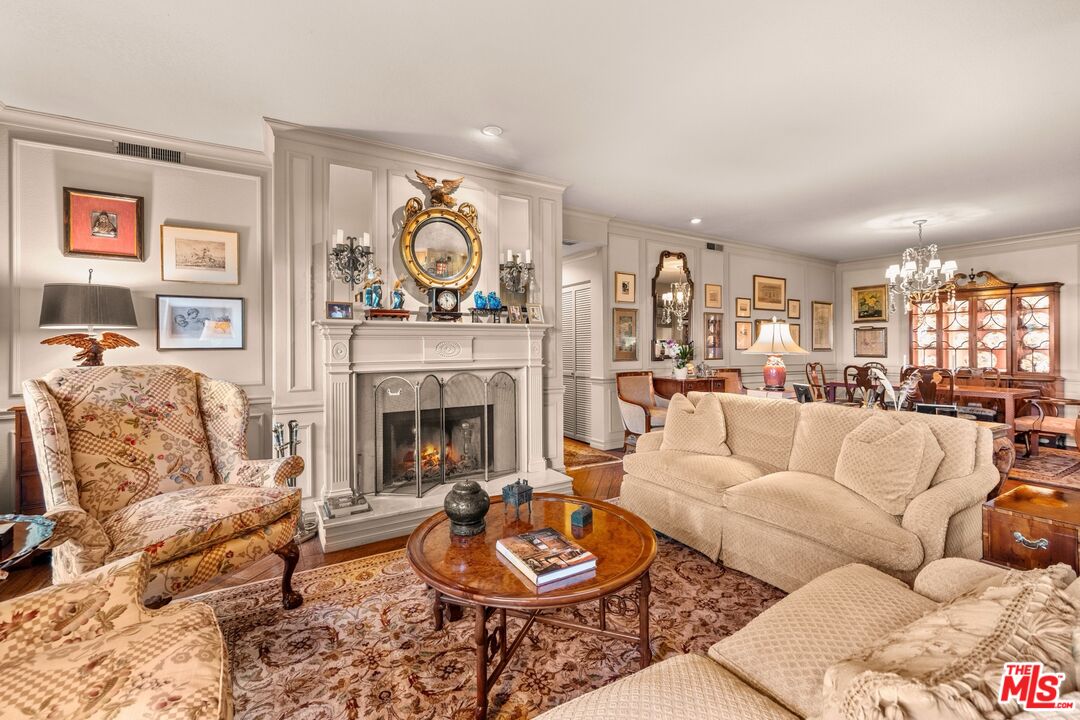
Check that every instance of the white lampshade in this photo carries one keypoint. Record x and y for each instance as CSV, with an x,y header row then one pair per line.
x,y
775,339
909,268
934,264
949,268
892,272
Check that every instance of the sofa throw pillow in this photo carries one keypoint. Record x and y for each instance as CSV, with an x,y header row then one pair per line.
x,y
949,663
888,462
698,429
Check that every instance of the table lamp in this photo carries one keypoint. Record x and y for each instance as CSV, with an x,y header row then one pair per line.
x,y
89,307
775,340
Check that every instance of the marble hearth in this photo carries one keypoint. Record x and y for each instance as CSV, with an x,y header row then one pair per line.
x,y
362,356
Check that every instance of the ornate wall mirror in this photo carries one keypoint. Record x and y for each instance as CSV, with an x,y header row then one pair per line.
x,y
440,245
673,299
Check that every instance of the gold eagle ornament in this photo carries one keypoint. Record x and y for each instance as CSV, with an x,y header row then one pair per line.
x,y
440,192
91,349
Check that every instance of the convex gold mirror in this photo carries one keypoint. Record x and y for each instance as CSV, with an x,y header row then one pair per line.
x,y
440,246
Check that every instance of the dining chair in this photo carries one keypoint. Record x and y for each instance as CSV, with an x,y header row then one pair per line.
x,y
936,385
1045,416
988,410
816,379
857,379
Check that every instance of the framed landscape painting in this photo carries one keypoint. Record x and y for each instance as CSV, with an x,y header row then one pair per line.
x,y
821,325
742,307
770,293
103,224
744,335
199,255
870,303
625,329
200,323
871,342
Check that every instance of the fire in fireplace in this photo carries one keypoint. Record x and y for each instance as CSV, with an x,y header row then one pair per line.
x,y
455,443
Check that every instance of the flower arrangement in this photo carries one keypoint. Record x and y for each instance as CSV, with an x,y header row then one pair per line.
x,y
680,354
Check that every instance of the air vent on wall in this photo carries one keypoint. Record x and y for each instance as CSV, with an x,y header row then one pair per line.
x,y
148,152
714,246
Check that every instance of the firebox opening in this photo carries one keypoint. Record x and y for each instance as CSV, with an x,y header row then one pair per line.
x,y
468,448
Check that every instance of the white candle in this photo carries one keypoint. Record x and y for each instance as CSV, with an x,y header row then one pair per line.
x,y
340,236
509,255
367,239
528,256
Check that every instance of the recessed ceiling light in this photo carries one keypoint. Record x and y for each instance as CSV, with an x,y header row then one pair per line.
x,y
492,130
695,221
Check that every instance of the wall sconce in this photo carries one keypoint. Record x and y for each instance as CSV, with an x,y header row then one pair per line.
x,y
350,262
516,275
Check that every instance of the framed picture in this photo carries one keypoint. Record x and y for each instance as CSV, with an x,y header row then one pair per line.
x,y
103,224
770,293
625,334
796,333
515,314
821,325
714,334
794,309
200,323
871,342
339,311
744,334
535,312
742,307
625,287
714,296
200,255
870,303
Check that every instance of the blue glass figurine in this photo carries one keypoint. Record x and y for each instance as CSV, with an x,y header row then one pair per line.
x,y
493,301
376,296
479,301
397,296
367,297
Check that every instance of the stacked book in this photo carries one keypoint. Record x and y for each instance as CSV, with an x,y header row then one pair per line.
x,y
545,556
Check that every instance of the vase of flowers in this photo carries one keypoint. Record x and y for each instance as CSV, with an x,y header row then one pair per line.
x,y
681,355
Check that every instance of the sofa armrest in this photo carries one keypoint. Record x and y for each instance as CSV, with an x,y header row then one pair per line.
x,y
85,534
944,579
266,473
929,513
650,441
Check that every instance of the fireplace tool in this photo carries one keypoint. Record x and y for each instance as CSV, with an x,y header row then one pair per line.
x,y
308,525
351,504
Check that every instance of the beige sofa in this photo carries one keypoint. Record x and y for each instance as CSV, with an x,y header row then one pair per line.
x,y
773,510
807,656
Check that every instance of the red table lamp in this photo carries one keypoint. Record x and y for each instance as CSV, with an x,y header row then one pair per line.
x,y
775,341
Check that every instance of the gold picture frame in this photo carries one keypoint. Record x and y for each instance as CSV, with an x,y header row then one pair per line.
x,y
625,287
870,303
796,332
794,309
821,325
714,296
871,342
744,337
742,307
624,330
770,293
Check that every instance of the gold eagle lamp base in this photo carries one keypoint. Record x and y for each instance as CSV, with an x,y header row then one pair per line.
x,y
91,349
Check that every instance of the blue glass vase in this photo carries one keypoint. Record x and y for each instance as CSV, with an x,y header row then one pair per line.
x,y
493,301
479,301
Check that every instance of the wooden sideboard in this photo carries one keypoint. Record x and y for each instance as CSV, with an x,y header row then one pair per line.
x,y
29,497
723,380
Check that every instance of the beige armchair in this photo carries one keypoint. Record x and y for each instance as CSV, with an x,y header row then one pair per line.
x,y
642,411
153,458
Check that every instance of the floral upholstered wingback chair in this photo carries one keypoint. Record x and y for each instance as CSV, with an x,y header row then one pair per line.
x,y
154,458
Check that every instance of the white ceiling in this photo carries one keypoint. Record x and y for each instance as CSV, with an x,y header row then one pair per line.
x,y
820,127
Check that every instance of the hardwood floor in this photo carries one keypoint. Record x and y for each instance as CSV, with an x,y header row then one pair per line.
x,y
595,481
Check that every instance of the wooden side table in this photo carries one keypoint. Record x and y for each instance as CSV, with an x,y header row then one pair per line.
x,y
29,496
1032,527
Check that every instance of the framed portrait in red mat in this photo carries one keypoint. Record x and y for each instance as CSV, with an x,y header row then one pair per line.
x,y
102,224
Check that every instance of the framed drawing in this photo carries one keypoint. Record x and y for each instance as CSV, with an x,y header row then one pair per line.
x,y
742,307
821,325
770,293
339,311
625,287
714,335
200,323
625,331
796,333
744,336
794,309
714,296
102,224
870,303
200,255
871,342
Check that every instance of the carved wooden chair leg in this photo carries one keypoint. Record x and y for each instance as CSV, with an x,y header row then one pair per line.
x,y
290,553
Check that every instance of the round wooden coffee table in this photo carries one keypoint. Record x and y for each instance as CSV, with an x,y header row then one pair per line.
x,y
468,572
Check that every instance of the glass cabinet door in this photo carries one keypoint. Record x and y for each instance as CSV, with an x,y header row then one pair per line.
x,y
956,338
924,334
991,332
1033,334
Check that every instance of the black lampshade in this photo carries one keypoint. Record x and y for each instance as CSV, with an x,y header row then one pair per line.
x,y
79,306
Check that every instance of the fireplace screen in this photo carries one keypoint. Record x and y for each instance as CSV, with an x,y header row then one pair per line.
x,y
432,431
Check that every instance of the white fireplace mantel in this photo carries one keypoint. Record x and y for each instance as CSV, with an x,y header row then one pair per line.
x,y
384,347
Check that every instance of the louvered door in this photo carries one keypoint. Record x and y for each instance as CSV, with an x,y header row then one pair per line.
x,y
577,360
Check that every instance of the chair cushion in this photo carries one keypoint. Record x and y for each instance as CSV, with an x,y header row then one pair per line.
x,y
135,432
183,522
657,416
684,687
826,512
696,429
704,477
887,462
949,663
786,650
760,429
1051,424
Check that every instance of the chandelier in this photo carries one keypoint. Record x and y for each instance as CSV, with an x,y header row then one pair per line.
x,y
921,277
676,303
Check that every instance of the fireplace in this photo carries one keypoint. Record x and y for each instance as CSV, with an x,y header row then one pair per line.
x,y
431,430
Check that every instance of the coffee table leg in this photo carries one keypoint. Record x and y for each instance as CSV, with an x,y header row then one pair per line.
x,y
480,636
643,620
437,611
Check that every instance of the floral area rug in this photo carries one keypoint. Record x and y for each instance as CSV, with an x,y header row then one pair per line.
x,y
1059,468
363,645
577,456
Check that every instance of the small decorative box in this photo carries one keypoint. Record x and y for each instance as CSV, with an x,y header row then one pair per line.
x,y
581,517
516,494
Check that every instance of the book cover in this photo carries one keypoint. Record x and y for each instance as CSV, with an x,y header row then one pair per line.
x,y
545,555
